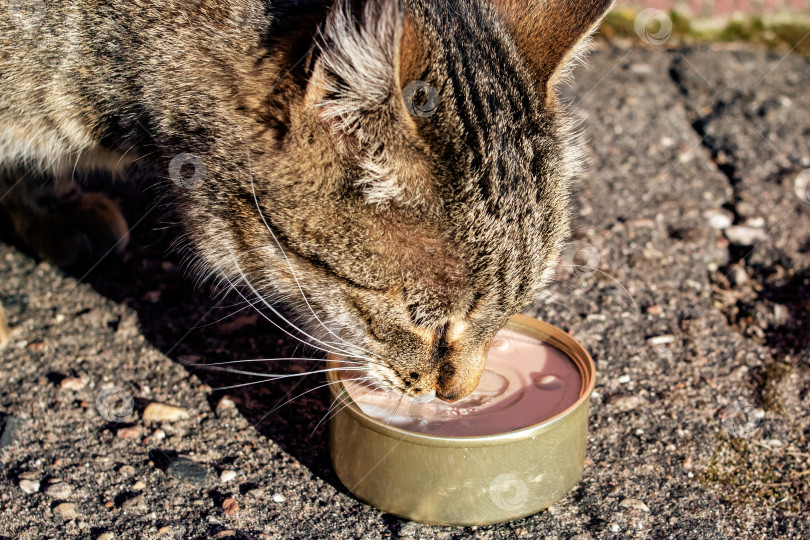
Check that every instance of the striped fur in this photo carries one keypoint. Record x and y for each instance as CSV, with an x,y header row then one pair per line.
x,y
414,236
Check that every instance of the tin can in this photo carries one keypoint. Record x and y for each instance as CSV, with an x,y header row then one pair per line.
x,y
464,481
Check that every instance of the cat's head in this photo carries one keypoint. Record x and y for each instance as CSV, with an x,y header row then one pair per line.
x,y
414,165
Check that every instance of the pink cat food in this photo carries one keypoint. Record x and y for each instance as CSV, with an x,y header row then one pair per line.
x,y
524,382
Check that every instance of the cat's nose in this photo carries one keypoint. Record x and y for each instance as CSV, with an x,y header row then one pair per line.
x,y
457,390
448,397
457,380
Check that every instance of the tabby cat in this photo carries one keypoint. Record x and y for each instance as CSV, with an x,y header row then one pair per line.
x,y
397,171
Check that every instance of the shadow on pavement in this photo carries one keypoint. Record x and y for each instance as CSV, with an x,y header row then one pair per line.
x,y
198,324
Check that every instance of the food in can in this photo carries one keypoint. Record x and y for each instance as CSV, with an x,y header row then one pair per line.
x,y
525,382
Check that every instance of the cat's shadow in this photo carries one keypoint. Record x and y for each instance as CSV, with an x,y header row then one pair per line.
x,y
198,324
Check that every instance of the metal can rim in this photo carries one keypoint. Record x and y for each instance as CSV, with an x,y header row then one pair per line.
x,y
521,323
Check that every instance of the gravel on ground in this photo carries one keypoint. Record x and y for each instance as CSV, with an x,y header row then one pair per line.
x,y
695,303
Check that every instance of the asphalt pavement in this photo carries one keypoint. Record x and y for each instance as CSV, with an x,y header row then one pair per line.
x,y
695,304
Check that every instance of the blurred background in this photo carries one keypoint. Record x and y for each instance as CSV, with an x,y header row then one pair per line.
x,y
774,23
709,8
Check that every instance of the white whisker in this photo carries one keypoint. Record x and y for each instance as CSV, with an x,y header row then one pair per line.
x,y
277,407
275,312
275,360
223,318
388,421
289,264
331,414
630,296
277,376
329,410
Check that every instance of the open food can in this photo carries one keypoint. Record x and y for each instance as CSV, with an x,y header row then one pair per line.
x,y
464,480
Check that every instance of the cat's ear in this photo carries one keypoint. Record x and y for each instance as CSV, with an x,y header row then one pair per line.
x,y
357,71
356,92
550,33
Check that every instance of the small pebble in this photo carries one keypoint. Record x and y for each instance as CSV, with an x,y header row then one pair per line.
x,y
741,235
664,345
756,222
624,379
58,490
135,503
106,536
227,476
72,383
279,498
634,504
624,402
230,506
10,429
738,372
127,470
29,486
159,435
781,315
158,412
225,403
737,276
225,534
744,208
138,486
188,471
646,69
666,339
718,219
129,432
66,511
166,532
655,310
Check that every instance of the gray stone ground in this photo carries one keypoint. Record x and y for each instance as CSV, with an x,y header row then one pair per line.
x,y
687,325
